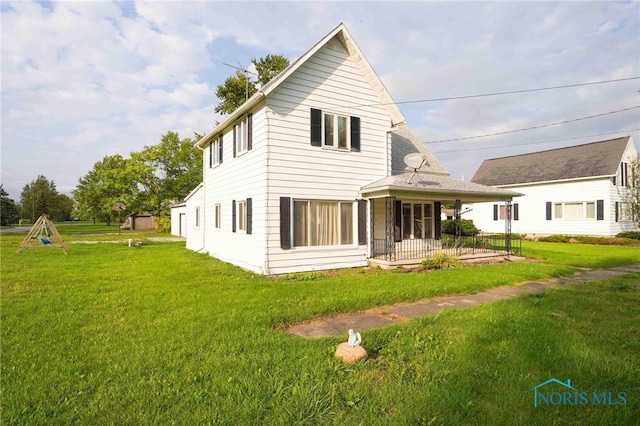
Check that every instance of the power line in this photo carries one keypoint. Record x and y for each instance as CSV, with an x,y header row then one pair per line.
x,y
566,86
535,127
535,143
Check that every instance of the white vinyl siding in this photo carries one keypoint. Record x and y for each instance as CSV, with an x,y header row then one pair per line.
x,y
332,82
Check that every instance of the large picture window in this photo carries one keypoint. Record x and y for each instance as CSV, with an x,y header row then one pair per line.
x,y
322,223
574,210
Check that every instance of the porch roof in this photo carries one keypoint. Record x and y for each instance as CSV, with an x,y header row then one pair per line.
x,y
435,186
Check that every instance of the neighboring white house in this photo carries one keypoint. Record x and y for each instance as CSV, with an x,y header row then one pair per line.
x,y
308,174
578,190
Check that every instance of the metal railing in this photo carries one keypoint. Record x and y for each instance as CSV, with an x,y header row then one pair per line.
x,y
449,244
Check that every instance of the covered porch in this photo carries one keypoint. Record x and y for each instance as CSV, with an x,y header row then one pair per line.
x,y
406,225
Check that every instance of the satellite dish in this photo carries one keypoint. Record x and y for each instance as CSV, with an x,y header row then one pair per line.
x,y
119,207
415,160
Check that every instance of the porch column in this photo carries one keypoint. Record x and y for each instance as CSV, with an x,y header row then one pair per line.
x,y
507,226
456,216
389,228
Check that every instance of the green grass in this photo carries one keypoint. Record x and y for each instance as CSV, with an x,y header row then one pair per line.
x,y
581,255
162,335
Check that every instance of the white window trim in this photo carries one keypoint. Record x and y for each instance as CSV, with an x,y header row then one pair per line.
x,y
242,134
335,134
215,154
354,221
584,211
241,216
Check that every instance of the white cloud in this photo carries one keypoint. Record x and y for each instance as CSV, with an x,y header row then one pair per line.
x,y
81,80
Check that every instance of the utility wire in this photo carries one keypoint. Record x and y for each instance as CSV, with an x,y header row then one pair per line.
x,y
566,86
535,127
536,143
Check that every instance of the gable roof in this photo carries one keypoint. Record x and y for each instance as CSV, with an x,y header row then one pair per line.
x,y
404,142
580,161
344,37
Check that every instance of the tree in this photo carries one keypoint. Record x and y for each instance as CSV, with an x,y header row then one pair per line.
x,y
238,88
269,67
112,180
9,212
167,171
631,194
38,197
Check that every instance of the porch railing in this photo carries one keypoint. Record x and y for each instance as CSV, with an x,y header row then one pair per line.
x,y
449,244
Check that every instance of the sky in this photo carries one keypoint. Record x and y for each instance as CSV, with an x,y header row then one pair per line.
x,y
82,80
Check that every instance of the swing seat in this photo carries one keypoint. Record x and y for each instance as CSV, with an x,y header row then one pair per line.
x,y
44,241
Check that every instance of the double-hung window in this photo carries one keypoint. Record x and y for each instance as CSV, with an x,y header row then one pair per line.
x,y
243,135
215,152
242,215
216,216
322,223
336,131
339,131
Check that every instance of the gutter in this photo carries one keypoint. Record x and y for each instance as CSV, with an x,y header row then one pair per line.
x,y
250,103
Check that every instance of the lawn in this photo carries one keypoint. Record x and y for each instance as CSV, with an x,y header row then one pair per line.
x,y
162,335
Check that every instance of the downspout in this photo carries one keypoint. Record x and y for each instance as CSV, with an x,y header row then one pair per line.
x,y
204,197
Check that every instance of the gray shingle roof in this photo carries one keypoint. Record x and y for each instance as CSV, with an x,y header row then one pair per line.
x,y
404,142
429,184
592,159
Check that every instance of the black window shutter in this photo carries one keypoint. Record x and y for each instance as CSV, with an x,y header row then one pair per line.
x,y
362,222
316,127
398,221
285,223
220,149
233,216
355,134
600,210
617,211
516,213
495,212
548,210
235,130
437,220
249,214
249,132
210,154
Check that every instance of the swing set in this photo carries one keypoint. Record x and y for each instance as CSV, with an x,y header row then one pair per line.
x,y
43,231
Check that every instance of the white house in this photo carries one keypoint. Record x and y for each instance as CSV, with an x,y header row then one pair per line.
x,y
308,174
578,190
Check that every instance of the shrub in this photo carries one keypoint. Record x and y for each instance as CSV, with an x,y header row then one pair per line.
x,y
555,239
467,227
634,235
164,224
441,261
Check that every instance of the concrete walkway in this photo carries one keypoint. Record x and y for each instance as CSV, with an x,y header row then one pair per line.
x,y
387,315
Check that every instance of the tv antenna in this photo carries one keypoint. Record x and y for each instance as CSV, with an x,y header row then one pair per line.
x,y
246,74
415,161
